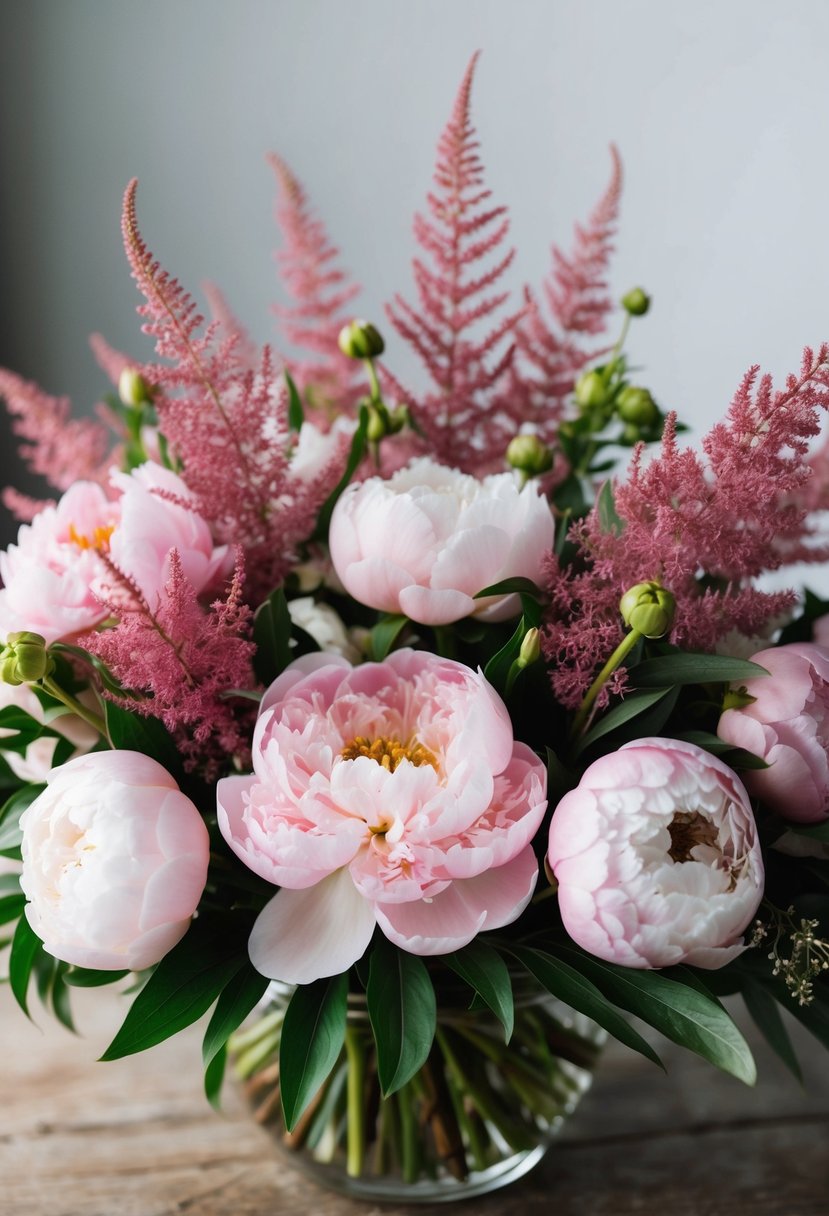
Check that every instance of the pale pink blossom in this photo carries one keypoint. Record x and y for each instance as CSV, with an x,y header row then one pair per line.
x,y
48,575
36,762
788,726
114,861
428,539
657,858
390,794
159,514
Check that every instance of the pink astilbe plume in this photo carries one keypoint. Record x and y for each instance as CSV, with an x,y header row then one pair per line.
x,y
58,447
227,424
552,352
220,311
182,660
320,292
461,415
730,516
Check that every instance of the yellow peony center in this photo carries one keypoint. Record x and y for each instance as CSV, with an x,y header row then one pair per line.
x,y
388,752
99,539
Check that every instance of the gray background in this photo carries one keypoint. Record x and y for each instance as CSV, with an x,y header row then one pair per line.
x,y
719,107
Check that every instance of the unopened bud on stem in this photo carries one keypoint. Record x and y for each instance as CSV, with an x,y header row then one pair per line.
x,y
637,407
530,651
25,659
591,391
636,302
361,340
649,609
529,455
133,389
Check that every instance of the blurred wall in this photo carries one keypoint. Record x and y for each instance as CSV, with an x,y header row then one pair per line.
x,y
721,112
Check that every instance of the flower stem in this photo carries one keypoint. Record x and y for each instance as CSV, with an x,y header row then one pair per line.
x,y
356,1107
88,715
619,655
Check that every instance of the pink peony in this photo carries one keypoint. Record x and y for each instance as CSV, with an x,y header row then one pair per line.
x,y
657,858
114,861
390,794
788,725
158,514
48,575
428,539
36,762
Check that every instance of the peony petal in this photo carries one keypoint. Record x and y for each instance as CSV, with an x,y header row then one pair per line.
x,y
296,672
430,607
452,919
302,936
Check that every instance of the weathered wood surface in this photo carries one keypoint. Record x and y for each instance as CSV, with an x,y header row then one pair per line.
x,y
136,1138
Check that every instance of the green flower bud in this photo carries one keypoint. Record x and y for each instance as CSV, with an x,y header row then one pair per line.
x,y
636,302
360,340
591,391
649,609
529,455
133,389
637,406
737,698
378,422
25,659
530,651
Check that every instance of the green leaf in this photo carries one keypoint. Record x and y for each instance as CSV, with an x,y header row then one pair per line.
x,y
183,986
82,977
296,414
11,907
312,1038
818,831
633,705
681,1013
570,986
358,448
26,727
106,677
609,519
384,634
241,994
26,947
687,668
402,1012
734,757
272,635
498,667
766,1014
482,967
10,833
139,733
511,586
214,1075
60,997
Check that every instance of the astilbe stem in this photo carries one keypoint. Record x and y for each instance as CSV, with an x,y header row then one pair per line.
x,y
320,292
226,423
731,513
458,290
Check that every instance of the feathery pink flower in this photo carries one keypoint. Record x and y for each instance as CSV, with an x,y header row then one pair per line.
x,y
58,447
227,423
732,515
551,354
183,660
320,291
457,288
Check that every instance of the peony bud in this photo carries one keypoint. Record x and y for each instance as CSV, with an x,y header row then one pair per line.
x,y
591,391
636,302
637,406
25,659
529,455
648,608
530,651
133,389
361,340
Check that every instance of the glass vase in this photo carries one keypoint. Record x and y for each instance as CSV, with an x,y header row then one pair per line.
x,y
478,1115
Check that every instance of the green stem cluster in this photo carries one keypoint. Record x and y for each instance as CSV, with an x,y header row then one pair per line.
x,y
475,1102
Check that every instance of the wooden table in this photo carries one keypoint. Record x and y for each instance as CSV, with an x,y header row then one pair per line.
x,y
136,1138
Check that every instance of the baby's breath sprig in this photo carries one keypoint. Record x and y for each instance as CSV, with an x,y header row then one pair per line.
x,y
798,954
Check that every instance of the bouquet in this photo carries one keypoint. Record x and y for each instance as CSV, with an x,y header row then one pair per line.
x,y
427,732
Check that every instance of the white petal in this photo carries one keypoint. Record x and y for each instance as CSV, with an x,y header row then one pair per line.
x,y
301,936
